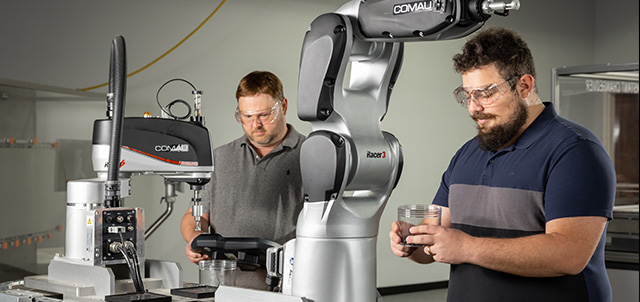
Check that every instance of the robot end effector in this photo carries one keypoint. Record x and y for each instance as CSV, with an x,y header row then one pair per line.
x,y
196,208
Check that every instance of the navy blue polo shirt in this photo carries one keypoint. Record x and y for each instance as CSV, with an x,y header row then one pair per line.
x,y
556,169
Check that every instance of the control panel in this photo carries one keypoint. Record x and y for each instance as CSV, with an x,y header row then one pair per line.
x,y
116,227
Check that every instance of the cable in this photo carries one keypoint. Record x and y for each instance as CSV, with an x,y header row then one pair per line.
x,y
175,101
130,264
132,269
166,53
133,263
136,263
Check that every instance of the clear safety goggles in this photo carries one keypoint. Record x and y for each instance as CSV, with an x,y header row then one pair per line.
x,y
483,96
266,116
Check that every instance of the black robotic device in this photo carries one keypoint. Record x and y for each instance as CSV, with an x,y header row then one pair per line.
x,y
250,253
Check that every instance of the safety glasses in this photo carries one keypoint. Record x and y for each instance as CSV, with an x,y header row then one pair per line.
x,y
483,96
266,116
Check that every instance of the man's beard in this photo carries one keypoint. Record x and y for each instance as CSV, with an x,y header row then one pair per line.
x,y
493,139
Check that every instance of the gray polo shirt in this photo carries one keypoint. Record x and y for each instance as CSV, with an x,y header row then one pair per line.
x,y
250,196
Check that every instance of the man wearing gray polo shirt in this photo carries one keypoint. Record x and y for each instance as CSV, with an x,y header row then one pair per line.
x,y
256,188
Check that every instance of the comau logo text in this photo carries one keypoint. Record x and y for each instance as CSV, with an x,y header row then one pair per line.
x,y
382,154
405,8
173,148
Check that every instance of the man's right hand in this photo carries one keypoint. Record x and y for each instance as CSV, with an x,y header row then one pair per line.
x,y
417,255
397,247
193,256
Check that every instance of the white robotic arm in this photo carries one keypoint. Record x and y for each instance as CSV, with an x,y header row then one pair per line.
x,y
349,166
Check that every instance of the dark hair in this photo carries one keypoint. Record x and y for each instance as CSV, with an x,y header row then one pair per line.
x,y
499,46
260,82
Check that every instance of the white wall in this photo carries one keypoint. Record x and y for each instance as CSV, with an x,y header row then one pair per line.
x,y
67,42
616,31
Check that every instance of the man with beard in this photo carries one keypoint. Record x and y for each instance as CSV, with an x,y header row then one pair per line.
x,y
525,203
256,188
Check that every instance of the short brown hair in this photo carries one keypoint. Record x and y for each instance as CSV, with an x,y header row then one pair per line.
x,y
260,82
500,46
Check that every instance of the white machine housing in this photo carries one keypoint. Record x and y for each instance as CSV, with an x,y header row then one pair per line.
x,y
89,224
